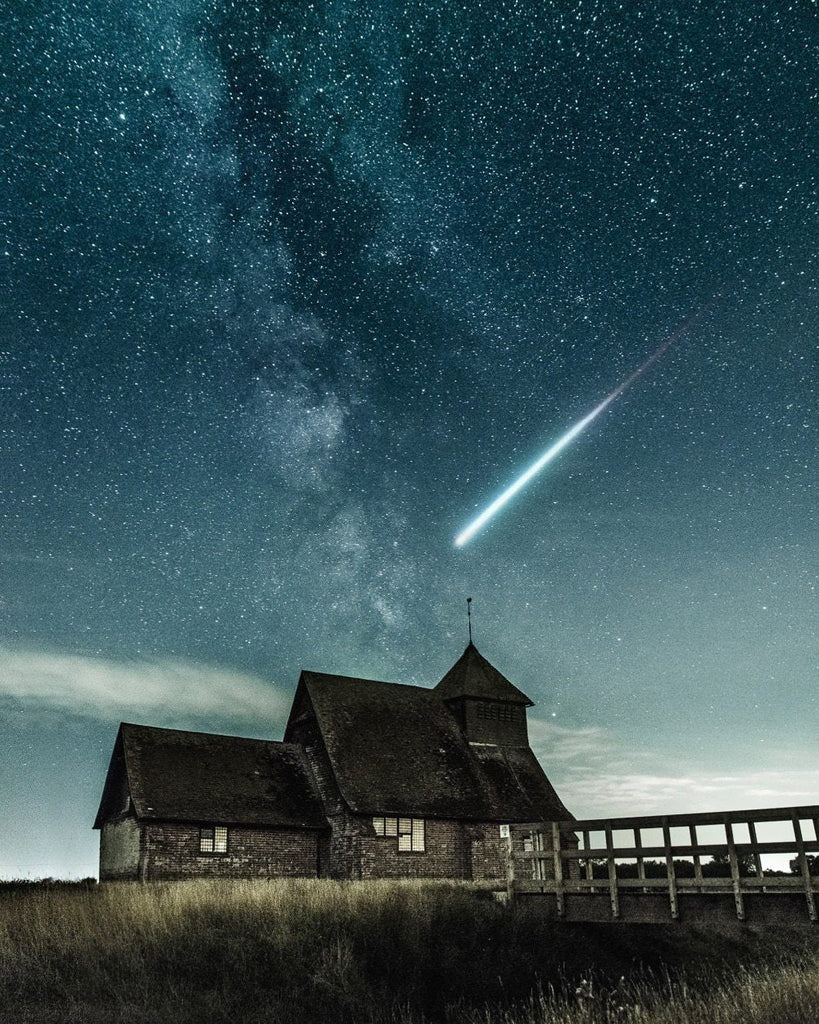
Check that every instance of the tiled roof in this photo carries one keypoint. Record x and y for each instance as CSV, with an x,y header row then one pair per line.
x,y
194,776
473,676
524,793
397,749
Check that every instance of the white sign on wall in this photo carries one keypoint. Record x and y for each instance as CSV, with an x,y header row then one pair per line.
x,y
504,831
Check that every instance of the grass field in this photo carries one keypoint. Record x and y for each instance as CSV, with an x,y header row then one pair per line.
x,y
315,950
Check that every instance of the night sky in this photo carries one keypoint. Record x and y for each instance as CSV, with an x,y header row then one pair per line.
x,y
291,291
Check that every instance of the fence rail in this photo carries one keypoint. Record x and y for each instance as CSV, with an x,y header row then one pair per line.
x,y
559,857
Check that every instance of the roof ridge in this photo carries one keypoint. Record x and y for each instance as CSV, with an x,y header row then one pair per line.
x,y
199,732
362,679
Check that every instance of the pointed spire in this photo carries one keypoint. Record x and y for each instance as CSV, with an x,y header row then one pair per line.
x,y
469,617
473,676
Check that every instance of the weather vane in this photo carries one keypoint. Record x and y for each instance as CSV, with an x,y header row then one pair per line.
x,y
469,617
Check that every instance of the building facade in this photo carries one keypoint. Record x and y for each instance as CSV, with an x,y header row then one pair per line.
x,y
372,780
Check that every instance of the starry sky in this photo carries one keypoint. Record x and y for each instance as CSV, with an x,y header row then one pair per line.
x,y
292,290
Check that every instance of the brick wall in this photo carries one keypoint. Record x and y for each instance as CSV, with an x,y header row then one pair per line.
x,y
444,856
172,851
352,850
488,852
119,850
454,849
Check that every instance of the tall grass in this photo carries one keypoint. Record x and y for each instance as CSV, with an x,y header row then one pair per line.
x,y
783,994
374,952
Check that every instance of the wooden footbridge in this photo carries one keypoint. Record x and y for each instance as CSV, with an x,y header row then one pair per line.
x,y
696,868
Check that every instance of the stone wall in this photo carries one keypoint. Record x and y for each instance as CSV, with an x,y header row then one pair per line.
x,y
172,851
119,850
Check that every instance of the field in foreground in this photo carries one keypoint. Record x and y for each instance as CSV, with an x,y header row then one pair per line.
x,y
317,951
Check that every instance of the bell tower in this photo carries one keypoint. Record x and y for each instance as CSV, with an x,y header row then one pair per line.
x,y
489,709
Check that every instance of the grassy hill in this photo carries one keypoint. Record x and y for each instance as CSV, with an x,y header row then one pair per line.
x,y
312,951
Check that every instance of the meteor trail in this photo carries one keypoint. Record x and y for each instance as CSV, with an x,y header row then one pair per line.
x,y
507,495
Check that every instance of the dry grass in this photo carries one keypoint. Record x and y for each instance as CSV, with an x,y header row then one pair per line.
x,y
305,951
785,994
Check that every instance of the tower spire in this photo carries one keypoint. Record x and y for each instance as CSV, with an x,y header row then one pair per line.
x,y
469,617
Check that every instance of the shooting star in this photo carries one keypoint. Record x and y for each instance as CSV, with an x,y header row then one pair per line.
x,y
506,496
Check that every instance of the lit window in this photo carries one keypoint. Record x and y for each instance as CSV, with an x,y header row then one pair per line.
x,y
408,831
405,834
213,839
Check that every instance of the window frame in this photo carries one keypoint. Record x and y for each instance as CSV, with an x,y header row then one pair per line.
x,y
410,834
219,834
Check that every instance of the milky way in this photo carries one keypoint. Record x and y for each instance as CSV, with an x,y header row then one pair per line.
x,y
282,286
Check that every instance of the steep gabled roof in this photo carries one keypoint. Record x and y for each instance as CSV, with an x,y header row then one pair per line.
x,y
194,776
520,784
397,749
473,676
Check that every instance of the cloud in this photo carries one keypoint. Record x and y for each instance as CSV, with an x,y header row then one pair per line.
x,y
589,793
557,743
597,775
162,690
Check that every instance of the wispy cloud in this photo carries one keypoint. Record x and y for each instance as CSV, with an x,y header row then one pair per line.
x,y
160,690
560,744
596,774
590,793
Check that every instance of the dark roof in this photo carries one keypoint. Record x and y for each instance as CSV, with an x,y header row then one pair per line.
x,y
397,749
519,783
473,676
195,776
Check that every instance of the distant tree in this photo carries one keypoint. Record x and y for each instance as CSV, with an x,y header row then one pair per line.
x,y
813,864
719,866
651,869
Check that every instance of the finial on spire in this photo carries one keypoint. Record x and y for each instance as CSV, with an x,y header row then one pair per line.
x,y
469,617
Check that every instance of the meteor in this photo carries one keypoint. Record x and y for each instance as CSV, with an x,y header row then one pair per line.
x,y
551,453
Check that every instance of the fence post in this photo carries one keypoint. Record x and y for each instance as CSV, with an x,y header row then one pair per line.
x,y
614,895
670,871
755,843
561,908
803,865
692,831
736,881
641,864
589,866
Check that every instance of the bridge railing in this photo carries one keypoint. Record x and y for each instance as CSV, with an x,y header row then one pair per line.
x,y
566,857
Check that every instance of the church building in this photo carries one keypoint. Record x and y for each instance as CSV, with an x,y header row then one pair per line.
x,y
372,780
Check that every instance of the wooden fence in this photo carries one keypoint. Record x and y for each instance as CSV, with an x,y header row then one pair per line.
x,y
564,859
